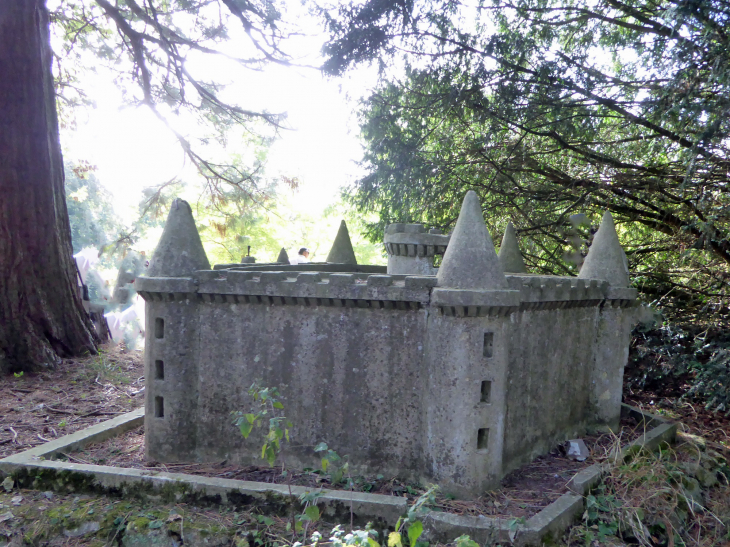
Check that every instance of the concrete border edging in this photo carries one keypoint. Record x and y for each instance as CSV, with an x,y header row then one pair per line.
x,y
76,441
34,468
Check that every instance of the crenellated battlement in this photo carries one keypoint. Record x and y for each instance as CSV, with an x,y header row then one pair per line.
x,y
412,249
413,240
329,288
455,376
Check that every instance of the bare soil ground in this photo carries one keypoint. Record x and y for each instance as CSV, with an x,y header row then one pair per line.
x,y
523,493
36,408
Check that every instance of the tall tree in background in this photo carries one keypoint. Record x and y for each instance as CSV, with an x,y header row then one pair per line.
x,y
550,109
41,316
148,44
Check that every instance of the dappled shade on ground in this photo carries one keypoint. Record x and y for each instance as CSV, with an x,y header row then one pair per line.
x,y
36,408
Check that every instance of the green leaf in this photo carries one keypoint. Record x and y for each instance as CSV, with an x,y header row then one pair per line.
x,y
250,418
245,429
277,404
325,464
372,542
466,541
312,513
414,532
321,447
270,456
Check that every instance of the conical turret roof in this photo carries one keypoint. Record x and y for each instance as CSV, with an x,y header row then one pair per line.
x,y
283,258
606,259
510,256
179,252
470,261
342,251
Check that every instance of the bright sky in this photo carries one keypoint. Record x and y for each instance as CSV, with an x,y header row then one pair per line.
x,y
133,150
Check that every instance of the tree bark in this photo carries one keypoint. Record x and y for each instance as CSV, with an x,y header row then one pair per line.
x,y
41,315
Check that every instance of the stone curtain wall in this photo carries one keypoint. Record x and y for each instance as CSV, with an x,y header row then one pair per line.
x,y
351,377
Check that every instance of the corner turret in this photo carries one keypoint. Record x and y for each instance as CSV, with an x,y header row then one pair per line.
x,y
470,276
180,251
510,256
606,259
342,251
470,262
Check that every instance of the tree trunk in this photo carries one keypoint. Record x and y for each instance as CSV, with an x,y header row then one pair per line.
x,y
41,315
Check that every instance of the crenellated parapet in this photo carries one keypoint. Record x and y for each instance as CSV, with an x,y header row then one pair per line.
x,y
412,250
295,288
526,292
455,378
413,240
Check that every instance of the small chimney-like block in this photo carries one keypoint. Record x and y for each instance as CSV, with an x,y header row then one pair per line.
x,y
470,261
179,252
342,251
606,259
283,258
510,256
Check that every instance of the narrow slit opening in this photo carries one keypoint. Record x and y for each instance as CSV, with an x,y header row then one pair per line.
x,y
159,327
483,438
488,344
486,393
159,370
159,407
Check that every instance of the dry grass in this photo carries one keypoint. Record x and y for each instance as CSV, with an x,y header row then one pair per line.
x,y
677,496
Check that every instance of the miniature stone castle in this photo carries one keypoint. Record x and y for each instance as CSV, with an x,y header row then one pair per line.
x,y
454,378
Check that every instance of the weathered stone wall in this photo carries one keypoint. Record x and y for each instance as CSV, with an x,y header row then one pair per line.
x,y
403,382
549,380
463,406
351,377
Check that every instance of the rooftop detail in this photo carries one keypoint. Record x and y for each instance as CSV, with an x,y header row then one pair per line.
x,y
510,256
283,257
180,251
606,259
342,251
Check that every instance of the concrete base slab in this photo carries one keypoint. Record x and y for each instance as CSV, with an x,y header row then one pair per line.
x,y
36,469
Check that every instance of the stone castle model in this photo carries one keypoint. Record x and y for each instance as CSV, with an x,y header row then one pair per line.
x,y
454,378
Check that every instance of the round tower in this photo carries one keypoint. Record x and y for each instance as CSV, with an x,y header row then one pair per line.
x,y
412,250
